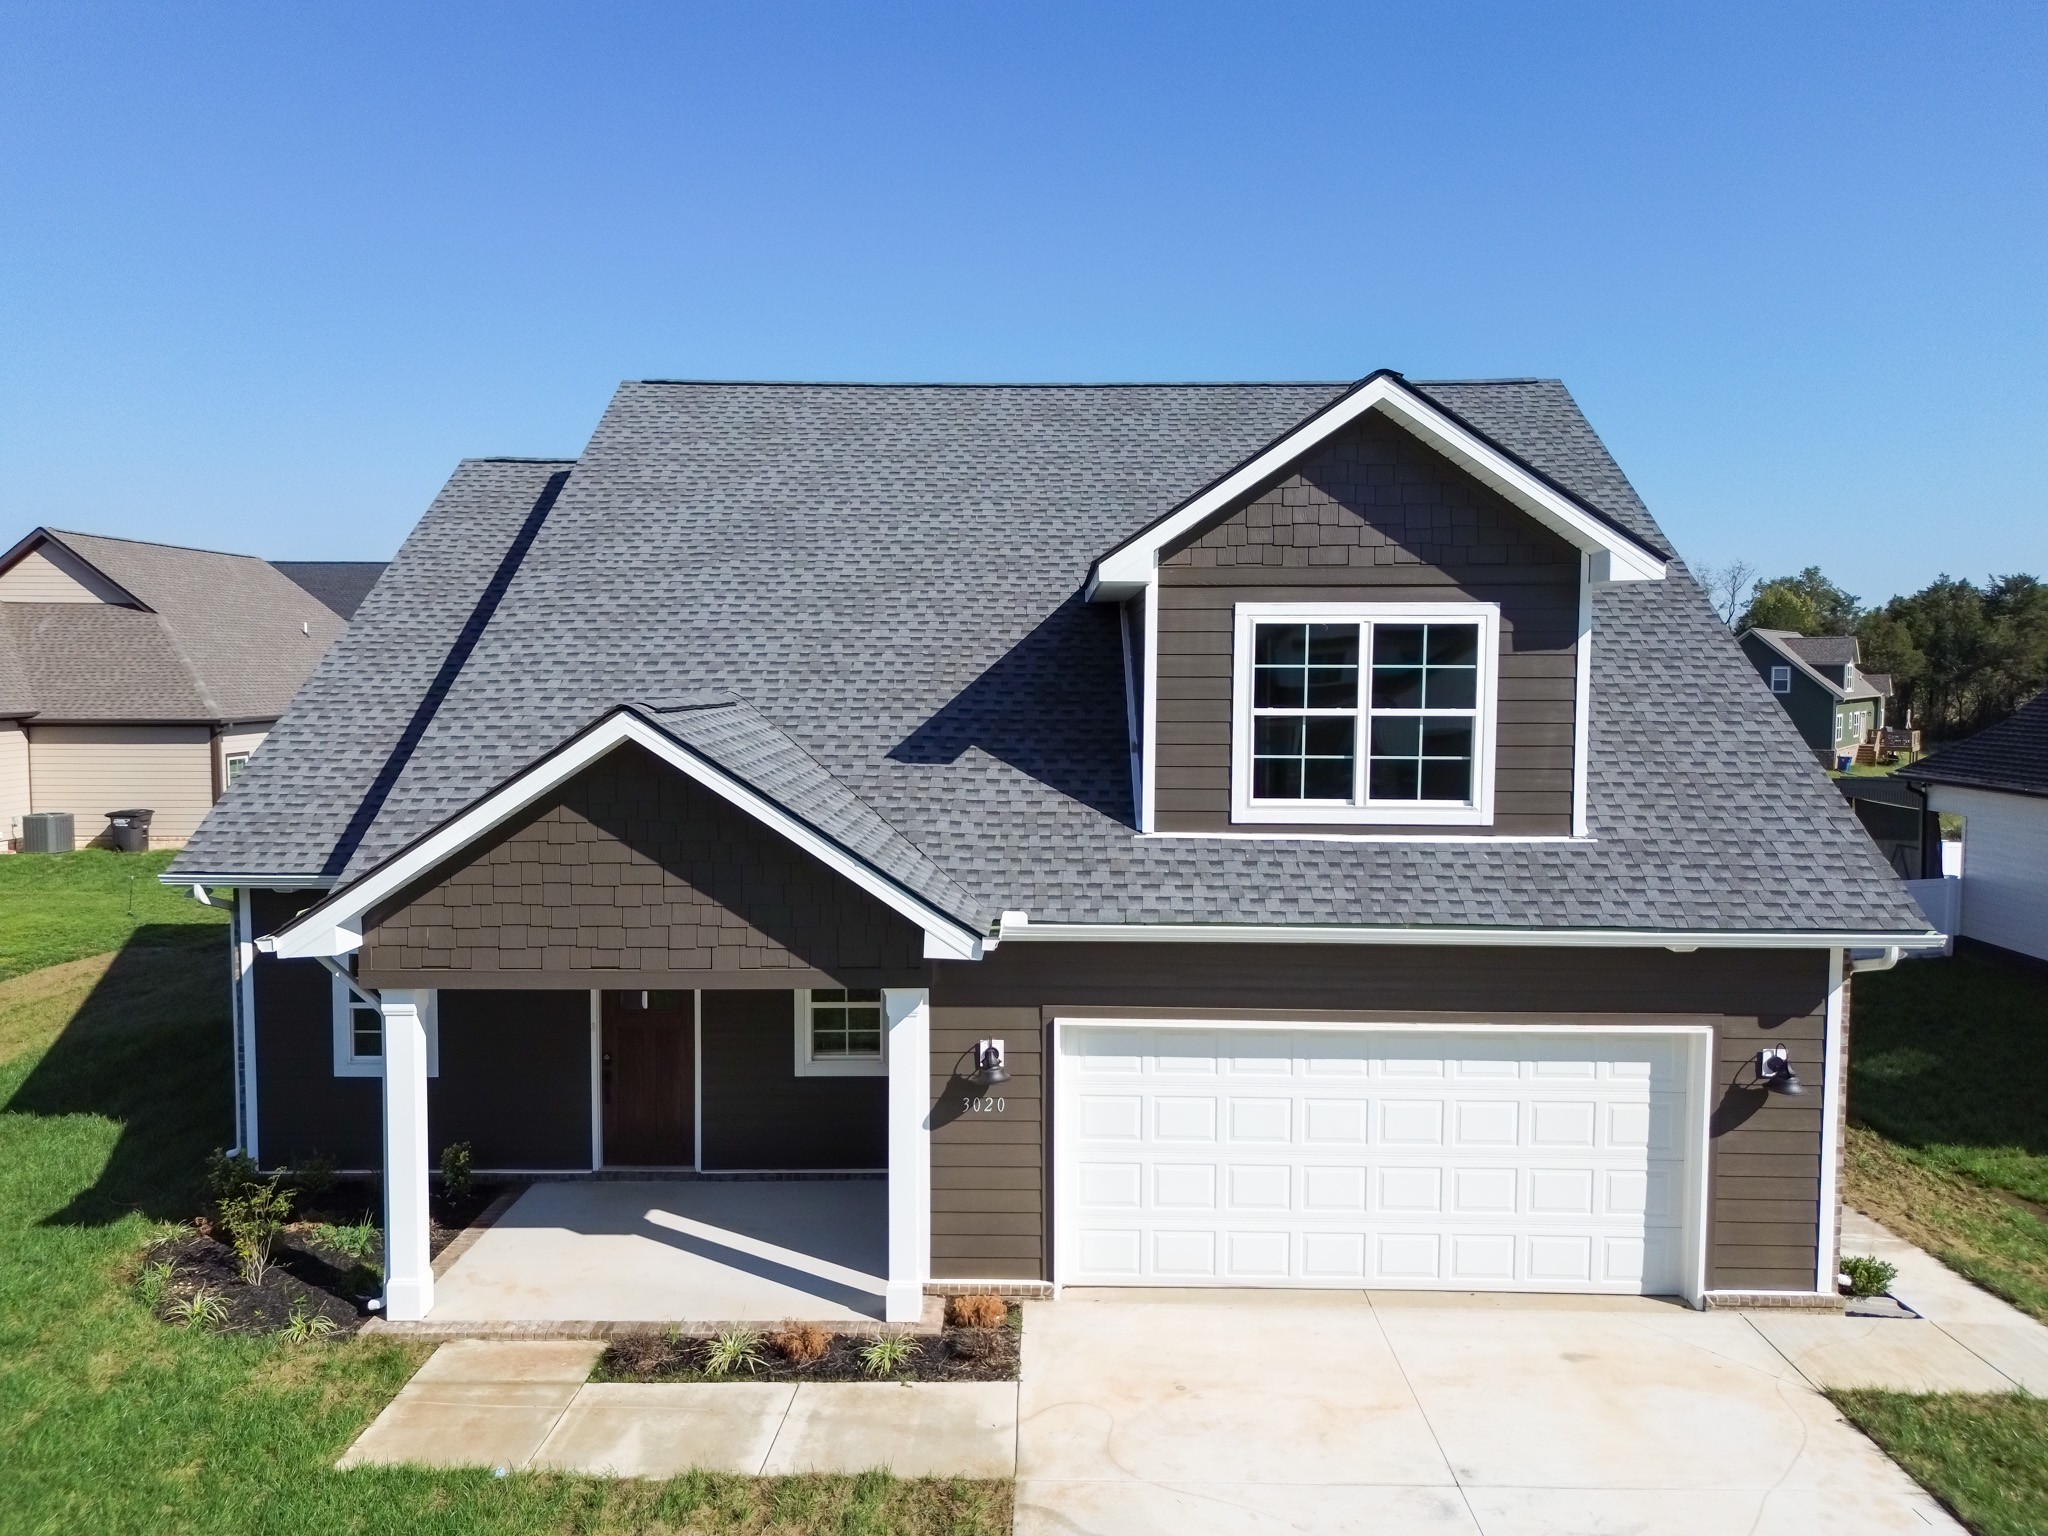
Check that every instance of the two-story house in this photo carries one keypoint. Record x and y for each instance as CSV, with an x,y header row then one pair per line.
x,y
1838,707
1170,835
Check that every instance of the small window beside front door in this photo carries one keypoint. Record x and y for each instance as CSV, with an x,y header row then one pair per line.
x,y
839,1033
359,1034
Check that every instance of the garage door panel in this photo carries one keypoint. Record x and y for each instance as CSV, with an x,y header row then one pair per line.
x,y
1373,1157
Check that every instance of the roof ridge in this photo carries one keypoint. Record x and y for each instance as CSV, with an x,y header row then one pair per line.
x,y
121,538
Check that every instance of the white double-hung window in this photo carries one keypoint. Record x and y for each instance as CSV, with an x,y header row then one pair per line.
x,y
1364,713
359,1031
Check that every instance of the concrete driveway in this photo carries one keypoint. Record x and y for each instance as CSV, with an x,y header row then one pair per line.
x,y
1268,1411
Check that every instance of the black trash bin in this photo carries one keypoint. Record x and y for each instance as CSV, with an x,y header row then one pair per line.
x,y
130,830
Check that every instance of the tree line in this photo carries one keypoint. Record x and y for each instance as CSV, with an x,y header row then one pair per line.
x,y
1961,656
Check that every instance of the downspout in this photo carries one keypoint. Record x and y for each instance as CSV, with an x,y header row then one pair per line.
x,y
1879,960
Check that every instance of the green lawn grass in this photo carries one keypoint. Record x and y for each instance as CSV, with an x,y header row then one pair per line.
x,y
1948,1088
1986,1458
61,906
113,1085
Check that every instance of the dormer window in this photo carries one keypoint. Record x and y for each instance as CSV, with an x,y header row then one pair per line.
x,y
1366,713
1781,679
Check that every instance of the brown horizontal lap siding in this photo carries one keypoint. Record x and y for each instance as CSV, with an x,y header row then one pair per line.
x,y
759,1114
514,1079
1764,1150
989,1206
1371,516
631,871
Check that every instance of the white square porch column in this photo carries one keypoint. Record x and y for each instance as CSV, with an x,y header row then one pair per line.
x,y
906,1012
408,1265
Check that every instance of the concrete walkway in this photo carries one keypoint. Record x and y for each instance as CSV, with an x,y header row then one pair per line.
x,y
515,1405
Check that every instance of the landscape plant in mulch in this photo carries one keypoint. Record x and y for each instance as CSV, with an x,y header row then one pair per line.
x,y
302,1254
962,1351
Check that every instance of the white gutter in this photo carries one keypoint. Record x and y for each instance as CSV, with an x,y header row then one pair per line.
x,y
253,882
1879,962
1548,938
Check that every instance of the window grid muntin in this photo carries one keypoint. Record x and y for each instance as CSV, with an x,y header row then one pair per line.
x,y
365,1032
1466,680
845,1024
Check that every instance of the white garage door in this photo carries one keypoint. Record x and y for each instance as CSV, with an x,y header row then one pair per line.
x,y
1463,1160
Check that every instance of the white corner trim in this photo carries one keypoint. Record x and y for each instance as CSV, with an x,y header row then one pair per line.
x,y
1538,938
906,1018
1132,727
1148,766
245,1021
326,929
808,1065
1582,701
1123,570
1830,1134
1245,811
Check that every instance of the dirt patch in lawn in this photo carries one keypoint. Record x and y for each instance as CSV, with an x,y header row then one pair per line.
x,y
955,1354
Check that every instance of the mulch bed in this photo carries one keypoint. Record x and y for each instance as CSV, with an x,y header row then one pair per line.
x,y
306,1270
199,1263
956,1354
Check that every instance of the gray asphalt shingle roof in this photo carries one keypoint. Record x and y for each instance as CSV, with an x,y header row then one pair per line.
x,y
340,584
2012,755
221,638
1823,650
891,575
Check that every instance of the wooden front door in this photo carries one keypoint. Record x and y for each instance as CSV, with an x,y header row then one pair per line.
x,y
650,1088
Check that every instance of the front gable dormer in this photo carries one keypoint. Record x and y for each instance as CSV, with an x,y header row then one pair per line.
x,y
1380,626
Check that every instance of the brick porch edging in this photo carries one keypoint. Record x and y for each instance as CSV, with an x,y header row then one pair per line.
x,y
1773,1301
932,1322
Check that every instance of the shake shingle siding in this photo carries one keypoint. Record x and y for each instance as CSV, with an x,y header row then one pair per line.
x,y
1372,516
630,874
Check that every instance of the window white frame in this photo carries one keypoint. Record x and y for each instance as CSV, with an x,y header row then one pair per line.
x,y
1781,679
808,1065
1478,812
344,1003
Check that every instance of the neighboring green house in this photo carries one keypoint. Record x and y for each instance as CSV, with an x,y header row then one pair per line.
x,y
1836,705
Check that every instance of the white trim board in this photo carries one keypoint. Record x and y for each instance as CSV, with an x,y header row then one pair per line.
x,y
1833,1063
335,926
1615,556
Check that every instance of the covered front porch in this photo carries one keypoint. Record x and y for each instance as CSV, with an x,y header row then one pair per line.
x,y
678,1250
724,1182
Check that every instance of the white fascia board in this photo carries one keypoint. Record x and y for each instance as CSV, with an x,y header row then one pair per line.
x,y
1617,557
335,926
1545,938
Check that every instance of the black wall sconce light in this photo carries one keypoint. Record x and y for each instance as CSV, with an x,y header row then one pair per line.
x,y
988,1064
1774,1071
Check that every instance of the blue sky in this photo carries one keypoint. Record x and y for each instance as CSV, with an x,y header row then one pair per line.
x,y
267,273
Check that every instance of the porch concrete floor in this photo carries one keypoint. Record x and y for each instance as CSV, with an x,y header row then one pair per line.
x,y
668,1250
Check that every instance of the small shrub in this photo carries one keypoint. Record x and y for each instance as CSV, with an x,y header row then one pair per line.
x,y
253,1219
314,1175
227,1175
1868,1275
153,1285
888,1354
302,1327
736,1349
204,1308
973,1343
977,1311
801,1343
352,1240
457,1164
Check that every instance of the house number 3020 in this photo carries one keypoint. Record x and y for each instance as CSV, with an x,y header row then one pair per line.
x,y
980,1106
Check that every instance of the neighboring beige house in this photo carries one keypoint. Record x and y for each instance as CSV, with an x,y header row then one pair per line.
x,y
144,675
